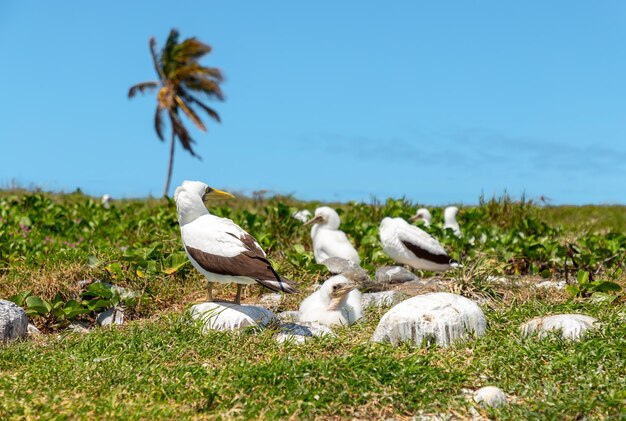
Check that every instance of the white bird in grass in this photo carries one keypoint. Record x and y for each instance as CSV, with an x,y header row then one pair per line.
x,y
328,240
336,302
412,246
302,215
449,220
106,201
217,247
424,215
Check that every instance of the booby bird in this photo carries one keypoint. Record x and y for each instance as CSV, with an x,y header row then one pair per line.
x,y
106,201
412,246
424,215
302,215
217,247
449,220
336,302
328,240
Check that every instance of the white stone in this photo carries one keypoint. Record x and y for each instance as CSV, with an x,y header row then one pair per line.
x,y
490,396
395,275
437,318
570,326
288,316
382,299
271,300
78,326
230,316
111,316
300,333
339,265
13,321
33,331
558,285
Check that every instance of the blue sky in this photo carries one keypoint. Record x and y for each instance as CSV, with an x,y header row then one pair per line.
x,y
435,101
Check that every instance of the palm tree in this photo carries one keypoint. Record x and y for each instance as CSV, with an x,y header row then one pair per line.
x,y
180,78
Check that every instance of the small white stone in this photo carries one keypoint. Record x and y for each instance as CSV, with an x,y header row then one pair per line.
x,y
33,331
78,327
111,316
558,285
300,333
490,396
395,275
288,316
382,299
570,326
338,265
437,318
271,300
230,316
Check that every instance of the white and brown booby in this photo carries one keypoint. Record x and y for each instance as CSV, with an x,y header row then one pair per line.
x,y
217,247
328,239
410,245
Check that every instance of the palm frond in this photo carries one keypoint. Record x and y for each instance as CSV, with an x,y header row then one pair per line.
x,y
155,59
168,60
182,133
141,87
197,71
206,86
158,123
190,113
190,50
210,111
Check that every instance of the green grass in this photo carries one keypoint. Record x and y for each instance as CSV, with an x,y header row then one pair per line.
x,y
164,368
159,365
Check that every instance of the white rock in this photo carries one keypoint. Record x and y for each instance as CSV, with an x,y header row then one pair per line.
x,y
300,333
339,265
230,316
78,326
490,396
33,331
571,326
382,299
558,285
395,275
439,317
288,316
271,300
13,321
111,316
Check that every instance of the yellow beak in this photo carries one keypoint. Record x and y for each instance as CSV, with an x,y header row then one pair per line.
x,y
315,220
215,194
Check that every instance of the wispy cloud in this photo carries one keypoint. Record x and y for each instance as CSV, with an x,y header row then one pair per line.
x,y
478,149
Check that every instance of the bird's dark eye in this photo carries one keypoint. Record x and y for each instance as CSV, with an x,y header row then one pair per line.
x,y
208,190
336,287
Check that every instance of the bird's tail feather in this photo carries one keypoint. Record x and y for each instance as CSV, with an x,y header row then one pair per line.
x,y
278,286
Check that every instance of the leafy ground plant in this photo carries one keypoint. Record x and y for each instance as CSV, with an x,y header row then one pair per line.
x,y
159,365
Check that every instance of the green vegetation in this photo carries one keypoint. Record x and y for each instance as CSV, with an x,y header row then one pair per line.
x,y
160,366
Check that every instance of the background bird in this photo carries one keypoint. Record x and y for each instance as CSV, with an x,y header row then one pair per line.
x,y
336,302
449,220
106,201
422,214
412,246
217,247
328,240
302,215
